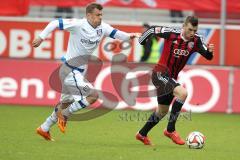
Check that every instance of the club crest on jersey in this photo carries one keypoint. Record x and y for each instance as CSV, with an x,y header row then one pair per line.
x,y
190,45
99,32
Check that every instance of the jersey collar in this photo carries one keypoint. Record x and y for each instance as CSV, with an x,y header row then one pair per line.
x,y
184,39
90,24
181,35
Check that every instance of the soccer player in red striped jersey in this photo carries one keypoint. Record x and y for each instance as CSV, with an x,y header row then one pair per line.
x,y
179,45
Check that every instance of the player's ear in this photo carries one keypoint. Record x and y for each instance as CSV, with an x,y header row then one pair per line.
x,y
183,26
88,15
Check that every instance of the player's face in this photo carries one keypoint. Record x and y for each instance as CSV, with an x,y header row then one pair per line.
x,y
95,18
189,31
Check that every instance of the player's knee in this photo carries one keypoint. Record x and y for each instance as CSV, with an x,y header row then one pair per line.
x,y
161,113
93,97
65,104
162,110
181,93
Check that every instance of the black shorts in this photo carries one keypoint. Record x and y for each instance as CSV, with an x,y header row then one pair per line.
x,y
165,86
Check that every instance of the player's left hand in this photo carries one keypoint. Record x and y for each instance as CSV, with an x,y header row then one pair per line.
x,y
211,48
135,35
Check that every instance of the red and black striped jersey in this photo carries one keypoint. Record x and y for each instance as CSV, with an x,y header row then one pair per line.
x,y
176,50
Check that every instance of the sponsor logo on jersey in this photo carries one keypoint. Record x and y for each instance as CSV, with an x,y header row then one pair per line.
x,y
180,52
88,41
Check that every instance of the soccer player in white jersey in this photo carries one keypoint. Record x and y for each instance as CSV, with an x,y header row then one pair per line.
x,y
85,35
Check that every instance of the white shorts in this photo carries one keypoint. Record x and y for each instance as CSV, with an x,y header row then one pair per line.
x,y
75,87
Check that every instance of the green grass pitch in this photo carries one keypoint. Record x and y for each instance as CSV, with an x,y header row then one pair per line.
x,y
112,137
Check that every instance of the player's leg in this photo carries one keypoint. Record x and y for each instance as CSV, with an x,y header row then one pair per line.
x,y
181,94
52,119
44,129
66,100
79,103
164,100
155,117
83,95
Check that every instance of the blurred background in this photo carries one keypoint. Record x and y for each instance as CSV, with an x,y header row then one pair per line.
x,y
25,71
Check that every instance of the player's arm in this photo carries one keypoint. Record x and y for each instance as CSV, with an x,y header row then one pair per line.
x,y
126,36
62,24
204,50
160,31
114,33
123,35
47,30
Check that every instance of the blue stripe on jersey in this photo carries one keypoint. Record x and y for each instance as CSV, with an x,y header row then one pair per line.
x,y
60,20
112,34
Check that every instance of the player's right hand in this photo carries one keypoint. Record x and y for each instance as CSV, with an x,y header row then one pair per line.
x,y
135,35
211,48
36,42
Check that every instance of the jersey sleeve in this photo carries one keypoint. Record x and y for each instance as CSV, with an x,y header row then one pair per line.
x,y
49,29
109,31
68,24
160,31
202,48
164,32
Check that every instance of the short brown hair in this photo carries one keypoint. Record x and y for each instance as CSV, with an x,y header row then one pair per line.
x,y
192,20
90,7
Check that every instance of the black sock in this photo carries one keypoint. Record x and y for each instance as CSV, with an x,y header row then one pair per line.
x,y
152,121
176,108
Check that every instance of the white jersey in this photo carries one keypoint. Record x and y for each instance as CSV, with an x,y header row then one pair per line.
x,y
84,39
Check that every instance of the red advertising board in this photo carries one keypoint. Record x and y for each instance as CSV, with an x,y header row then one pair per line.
x,y
27,82
232,54
236,91
207,89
